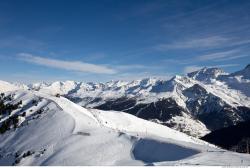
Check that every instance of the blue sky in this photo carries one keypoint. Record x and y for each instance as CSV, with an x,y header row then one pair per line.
x,y
113,39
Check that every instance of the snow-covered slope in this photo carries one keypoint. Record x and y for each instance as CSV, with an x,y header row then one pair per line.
x,y
56,131
5,87
192,104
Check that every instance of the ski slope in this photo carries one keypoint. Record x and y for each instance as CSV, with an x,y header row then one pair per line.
x,y
68,134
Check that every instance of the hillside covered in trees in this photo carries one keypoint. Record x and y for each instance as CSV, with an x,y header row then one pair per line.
x,y
235,138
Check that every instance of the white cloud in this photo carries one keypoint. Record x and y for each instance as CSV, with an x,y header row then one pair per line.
x,y
66,65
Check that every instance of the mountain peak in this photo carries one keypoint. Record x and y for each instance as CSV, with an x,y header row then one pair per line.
x,y
245,73
206,74
247,67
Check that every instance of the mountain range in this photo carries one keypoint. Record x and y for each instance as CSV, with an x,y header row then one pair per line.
x,y
39,128
196,103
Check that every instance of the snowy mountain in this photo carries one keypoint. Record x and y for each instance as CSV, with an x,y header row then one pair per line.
x,y
5,86
245,73
41,129
201,101
206,74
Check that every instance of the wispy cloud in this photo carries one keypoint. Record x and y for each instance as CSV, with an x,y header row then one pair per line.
x,y
211,42
131,67
231,57
207,42
226,65
222,56
66,65
177,61
214,18
217,55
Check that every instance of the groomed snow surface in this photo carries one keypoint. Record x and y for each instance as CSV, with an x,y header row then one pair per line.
x,y
68,134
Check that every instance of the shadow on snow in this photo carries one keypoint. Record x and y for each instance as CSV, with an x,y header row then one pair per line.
x,y
149,150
